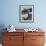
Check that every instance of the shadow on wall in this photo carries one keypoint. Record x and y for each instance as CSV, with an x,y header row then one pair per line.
x,y
2,26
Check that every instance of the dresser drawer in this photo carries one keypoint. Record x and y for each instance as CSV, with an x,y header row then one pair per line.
x,y
13,44
37,44
13,33
34,33
12,39
37,39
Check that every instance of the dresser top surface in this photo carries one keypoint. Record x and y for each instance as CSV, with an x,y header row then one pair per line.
x,y
22,30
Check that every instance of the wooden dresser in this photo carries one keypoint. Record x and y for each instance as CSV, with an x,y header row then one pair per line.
x,y
23,39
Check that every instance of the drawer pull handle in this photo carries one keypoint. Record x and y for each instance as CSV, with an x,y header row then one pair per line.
x,y
10,38
33,39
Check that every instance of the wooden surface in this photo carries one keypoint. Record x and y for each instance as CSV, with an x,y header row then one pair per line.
x,y
22,38
12,39
34,39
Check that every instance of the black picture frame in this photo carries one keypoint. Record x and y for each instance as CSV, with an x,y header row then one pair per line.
x,y
26,13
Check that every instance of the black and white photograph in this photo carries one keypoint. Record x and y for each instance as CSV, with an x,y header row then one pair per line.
x,y
26,13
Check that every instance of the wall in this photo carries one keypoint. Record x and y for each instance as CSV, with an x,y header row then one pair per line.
x,y
10,13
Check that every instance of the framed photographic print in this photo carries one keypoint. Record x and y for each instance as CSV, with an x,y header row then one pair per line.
x,y
26,13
